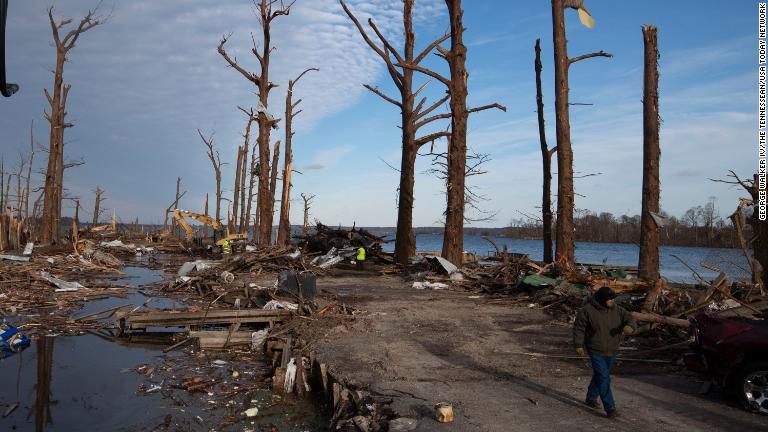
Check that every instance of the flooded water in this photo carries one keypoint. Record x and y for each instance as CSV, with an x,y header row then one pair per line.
x,y
89,383
731,261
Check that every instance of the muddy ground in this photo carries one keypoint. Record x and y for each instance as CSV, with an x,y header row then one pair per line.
x,y
423,347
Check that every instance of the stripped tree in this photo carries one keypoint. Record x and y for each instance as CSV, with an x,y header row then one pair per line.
x,y
29,171
54,174
215,159
453,237
307,205
648,266
267,13
251,170
546,161
97,207
284,227
414,116
564,230
236,189
759,239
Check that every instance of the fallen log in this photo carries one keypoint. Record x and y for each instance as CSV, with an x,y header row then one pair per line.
x,y
659,319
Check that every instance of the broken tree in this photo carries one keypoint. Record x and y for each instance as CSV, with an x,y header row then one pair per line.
x,y
213,155
284,227
546,160
413,117
453,237
564,230
265,199
648,267
96,207
54,174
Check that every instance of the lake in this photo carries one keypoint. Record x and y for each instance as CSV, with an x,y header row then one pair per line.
x,y
732,261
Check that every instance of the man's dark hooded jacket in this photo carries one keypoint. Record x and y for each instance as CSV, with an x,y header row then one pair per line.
x,y
599,328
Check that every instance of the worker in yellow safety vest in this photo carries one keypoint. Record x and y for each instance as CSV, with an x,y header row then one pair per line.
x,y
360,257
226,248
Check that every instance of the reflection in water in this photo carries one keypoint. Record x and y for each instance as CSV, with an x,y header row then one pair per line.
x,y
42,408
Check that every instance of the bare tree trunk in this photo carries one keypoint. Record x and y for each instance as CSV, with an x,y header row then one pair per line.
x,y
54,176
2,186
236,189
19,190
648,267
205,208
284,227
29,170
273,179
307,202
453,239
251,175
564,230
546,160
265,201
401,68
215,159
96,207
243,171
176,204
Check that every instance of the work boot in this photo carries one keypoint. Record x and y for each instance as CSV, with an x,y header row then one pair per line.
x,y
612,414
592,403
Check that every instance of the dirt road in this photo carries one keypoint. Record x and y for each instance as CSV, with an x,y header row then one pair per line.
x,y
423,347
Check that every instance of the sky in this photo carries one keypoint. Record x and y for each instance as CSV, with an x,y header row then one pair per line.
x,y
144,82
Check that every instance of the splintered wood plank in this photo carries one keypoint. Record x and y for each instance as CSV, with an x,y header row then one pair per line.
x,y
183,319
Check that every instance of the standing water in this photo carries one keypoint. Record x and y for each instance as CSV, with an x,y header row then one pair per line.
x,y
90,383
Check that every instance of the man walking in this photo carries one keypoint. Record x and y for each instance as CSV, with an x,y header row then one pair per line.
x,y
597,331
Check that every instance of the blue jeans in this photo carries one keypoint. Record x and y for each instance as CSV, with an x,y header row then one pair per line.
x,y
601,380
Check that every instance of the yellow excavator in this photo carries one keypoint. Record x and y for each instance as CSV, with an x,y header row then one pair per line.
x,y
181,215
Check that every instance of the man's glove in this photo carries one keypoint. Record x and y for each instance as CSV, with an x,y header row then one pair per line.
x,y
580,351
628,330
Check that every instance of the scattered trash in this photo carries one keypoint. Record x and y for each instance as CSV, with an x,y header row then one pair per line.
x,y
197,265
402,424
290,375
430,285
297,286
444,412
11,340
251,412
227,277
14,258
28,249
275,304
448,267
63,286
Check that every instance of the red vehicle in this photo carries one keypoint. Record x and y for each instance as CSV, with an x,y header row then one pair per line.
x,y
735,352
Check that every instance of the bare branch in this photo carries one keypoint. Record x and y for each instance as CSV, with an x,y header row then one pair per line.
x,y
396,76
256,79
431,137
431,119
430,47
426,71
384,40
432,107
590,55
485,107
383,96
